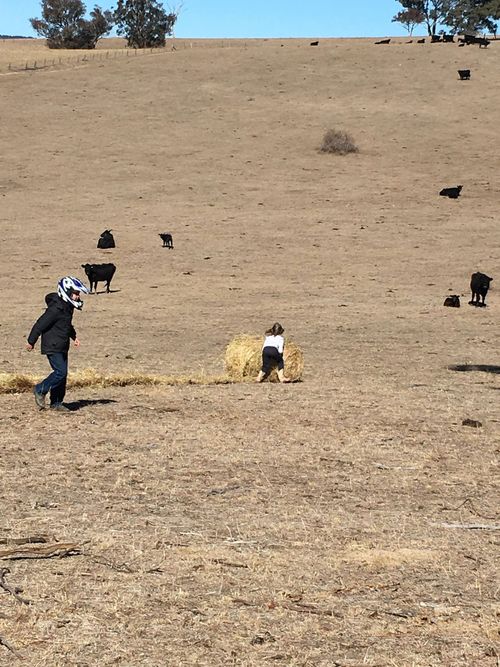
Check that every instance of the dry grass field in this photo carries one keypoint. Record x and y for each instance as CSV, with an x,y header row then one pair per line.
x,y
348,520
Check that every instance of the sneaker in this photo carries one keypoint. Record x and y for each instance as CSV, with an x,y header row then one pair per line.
x,y
59,407
39,399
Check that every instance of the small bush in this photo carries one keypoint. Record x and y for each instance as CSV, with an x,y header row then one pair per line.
x,y
338,142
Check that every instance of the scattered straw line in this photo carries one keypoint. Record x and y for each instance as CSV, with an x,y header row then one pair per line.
x,y
16,383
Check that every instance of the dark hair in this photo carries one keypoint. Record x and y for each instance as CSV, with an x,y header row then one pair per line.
x,y
275,330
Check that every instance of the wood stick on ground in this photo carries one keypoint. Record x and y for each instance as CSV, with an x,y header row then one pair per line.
x,y
34,539
227,563
118,567
60,549
474,510
470,526
9,647
9,589
302,608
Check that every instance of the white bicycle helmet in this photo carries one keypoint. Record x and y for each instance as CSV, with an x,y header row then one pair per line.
x,y
67,286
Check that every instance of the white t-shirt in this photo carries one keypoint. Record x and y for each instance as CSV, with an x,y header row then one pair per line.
x,y
275,341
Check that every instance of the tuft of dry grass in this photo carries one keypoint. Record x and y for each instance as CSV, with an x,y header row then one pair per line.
x,y
338,142
243,359
16,383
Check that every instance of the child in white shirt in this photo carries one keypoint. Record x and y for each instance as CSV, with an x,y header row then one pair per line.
x,y
272,353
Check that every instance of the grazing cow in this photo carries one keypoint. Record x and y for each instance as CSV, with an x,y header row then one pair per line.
x,y
167,240
479,285
464,74
472,39
448,39
314,43
384,41
453,301
98,273
452,193
106,240
435,39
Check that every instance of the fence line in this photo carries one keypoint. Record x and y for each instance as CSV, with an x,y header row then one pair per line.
x,y
111,54
60,61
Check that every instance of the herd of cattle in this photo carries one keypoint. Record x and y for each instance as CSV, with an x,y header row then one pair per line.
x,y
465,40
97,273
479,282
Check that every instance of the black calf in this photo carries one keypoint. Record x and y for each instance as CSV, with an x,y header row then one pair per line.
x,y
453,301
167,241
106,240
464,74
452,193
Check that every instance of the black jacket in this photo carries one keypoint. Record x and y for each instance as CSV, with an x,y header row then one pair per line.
x,y
54,326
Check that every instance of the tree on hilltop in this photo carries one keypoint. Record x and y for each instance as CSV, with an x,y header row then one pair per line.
x,y
144,23
459,15
64,26
432,11
409,18
470,16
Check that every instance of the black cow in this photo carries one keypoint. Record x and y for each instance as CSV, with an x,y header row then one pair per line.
x,y
464,74
479,285
167,240
421,41
472,39
106,240
314,43
435,39
452,193
98,273
384,41
453,301
449,39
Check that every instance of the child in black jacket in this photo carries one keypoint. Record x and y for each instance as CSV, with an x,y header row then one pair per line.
x,y
56,329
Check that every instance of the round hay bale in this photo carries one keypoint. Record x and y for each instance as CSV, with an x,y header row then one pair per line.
x,y
243,359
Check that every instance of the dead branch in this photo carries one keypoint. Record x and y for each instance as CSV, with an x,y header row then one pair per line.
x,y
470,526
9,647
301,608
35,539
226,489
474,510
118,567
395,612
220,561
9,589
382,466
58,550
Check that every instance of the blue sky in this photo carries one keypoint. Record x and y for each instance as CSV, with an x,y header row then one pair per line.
x,y
248,18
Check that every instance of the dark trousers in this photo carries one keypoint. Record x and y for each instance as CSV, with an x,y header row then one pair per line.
x,y
270,359
56,381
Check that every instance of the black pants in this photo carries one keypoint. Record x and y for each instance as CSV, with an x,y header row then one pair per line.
x,y
56,381
270,359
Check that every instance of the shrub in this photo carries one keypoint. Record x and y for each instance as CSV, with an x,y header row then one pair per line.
x,y
338,142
